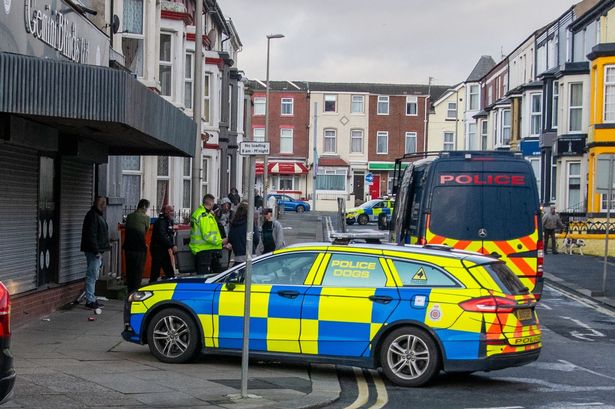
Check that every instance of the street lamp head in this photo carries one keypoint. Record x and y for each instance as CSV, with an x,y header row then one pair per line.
x,y
270,36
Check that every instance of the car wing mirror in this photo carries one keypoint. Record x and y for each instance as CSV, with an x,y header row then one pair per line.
x,y
231,281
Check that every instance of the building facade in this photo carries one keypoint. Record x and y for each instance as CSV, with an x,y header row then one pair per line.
x,y
446,125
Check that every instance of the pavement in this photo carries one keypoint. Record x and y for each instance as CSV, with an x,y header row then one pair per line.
x,y
582,275
67,361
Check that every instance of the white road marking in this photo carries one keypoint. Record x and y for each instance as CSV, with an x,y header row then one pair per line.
x,y
501,407
583,301
587,404
584,336
545,306
363,394
587,370
329,226
382,397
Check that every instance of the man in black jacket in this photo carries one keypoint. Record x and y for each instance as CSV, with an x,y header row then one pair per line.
x,y
162,246
94,242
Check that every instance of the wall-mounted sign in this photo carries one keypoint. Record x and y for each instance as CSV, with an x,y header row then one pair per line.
x,y
254,148
570,146
51,29
530,147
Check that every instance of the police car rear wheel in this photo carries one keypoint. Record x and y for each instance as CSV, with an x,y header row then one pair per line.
x,y
363,219
409,357
173,336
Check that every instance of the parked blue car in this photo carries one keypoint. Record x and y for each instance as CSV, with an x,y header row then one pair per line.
x,y
291,204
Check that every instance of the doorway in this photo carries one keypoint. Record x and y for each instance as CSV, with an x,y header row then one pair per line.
x,y
47,227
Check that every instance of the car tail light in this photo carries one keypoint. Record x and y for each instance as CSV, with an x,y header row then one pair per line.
x,y
541,258
5,312
489,304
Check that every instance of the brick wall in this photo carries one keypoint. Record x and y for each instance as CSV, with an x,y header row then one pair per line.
x,y
299,122
397,123
34,305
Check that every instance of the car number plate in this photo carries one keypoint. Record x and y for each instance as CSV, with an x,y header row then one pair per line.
x,y
524,314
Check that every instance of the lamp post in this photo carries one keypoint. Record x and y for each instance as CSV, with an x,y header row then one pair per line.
x,y
266,159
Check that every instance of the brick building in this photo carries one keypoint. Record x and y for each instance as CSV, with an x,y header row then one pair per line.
x,y
288,134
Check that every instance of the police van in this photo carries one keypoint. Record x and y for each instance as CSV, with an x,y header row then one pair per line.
x,y
485,202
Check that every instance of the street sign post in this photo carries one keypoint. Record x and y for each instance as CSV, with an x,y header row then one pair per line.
x,y
369,178
249,149
604,185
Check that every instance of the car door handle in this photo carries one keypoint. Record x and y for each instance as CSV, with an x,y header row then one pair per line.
x,y
381,299
288,294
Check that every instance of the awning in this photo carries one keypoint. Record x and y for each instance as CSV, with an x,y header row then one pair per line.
x,y
103,105
384,166
283,168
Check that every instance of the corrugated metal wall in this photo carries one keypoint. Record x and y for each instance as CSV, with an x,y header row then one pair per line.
x,y
18,216
76,196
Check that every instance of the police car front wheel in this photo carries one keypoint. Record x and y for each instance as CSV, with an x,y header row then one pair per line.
x,y
173,336
409,357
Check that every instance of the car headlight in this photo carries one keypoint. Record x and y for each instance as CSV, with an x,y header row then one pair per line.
x,y
138,296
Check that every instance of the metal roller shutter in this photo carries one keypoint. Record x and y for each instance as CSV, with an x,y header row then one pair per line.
x,y
76,196
18,217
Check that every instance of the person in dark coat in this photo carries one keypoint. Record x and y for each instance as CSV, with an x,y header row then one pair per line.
x,y
237,234
94,242
137,225
163,246
234,197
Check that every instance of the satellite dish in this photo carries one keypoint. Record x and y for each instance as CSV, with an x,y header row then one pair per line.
x,y
115,24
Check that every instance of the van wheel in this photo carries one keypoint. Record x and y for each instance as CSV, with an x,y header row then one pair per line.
x,y
363,219
173,337
409,357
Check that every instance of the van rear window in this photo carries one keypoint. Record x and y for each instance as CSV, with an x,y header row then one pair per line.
x,y
503,211
500,275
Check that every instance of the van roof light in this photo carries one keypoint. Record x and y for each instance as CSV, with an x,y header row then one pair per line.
x,y
347,238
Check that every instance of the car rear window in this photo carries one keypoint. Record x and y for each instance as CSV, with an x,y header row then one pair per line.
x,y
498,277
505,212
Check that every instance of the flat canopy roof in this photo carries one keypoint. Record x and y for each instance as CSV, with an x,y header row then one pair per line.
x,y
103,104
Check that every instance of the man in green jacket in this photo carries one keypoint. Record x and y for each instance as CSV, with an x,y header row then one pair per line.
x,y
137,225
205,239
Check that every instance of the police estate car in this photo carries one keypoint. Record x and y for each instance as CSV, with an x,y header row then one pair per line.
x,y
410,310
369,211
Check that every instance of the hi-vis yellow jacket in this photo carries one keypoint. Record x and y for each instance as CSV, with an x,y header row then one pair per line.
x,y
204,232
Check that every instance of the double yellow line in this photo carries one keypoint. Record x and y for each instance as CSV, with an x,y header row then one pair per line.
x,y
382,396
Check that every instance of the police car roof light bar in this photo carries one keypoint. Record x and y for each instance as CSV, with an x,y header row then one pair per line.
x,y
347,238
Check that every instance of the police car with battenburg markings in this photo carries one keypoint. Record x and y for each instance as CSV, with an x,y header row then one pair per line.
x,y
410,310
370,211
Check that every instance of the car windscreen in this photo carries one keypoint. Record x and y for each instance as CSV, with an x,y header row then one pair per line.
x,y
369,204
499,274
500,212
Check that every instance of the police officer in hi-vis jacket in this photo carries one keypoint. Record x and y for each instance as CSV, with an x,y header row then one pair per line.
x,y
205,238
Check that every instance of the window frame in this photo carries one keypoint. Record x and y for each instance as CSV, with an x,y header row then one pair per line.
x,y
473,107
445,143
384,134
189,79
163,178
606,85
140,37
385,100
506,127
259,101
554,104
207,85
354,137
484,134
291,137
288,101
205,174
165,63
454,110
352,104
570,176
134,172
409,102
411,135
332,98
576,108
186,178
332,171
535,114
259,138
330,136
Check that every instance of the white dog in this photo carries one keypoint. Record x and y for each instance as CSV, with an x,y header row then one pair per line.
x,y
572,244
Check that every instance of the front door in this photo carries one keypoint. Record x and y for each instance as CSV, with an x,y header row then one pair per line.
x,y
47,226
374,188
278,289
349,302
359,186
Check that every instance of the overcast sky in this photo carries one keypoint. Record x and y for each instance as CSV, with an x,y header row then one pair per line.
x,y
396,41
